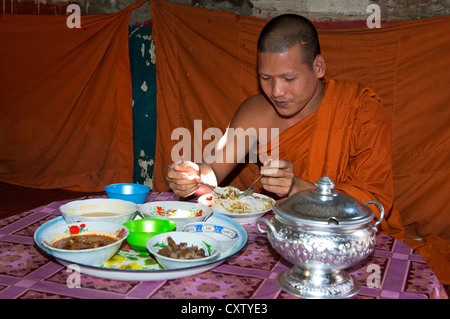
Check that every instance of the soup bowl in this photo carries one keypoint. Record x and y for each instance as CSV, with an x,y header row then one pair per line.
x,y
91,233
99,209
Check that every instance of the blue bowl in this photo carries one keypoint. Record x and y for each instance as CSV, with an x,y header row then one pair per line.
x,y
135,193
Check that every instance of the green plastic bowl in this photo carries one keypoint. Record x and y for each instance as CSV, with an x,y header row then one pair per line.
x,y
141,230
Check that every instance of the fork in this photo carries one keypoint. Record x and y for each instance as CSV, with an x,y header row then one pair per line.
x,y
200,182
249,191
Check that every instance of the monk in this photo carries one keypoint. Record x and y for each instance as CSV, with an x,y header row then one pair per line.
x,y
325,128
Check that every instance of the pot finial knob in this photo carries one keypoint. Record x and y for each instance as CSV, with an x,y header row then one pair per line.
x,y
325,185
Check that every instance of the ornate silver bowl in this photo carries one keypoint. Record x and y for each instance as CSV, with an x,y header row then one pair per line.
x,y
322,232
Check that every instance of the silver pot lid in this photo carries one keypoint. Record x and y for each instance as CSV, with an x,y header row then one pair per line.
x,y
323,206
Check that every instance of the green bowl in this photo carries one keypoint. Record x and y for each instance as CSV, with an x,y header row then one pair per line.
x,y
141,230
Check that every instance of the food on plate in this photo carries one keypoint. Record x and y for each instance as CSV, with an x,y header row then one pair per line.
x,y
181,251
79,242
231,200
177,212
226,192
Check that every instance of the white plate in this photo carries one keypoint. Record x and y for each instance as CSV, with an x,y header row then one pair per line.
x,y
245,218
152,274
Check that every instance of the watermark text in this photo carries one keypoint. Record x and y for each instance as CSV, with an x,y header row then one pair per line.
x,y
374,279
74,279
241,145
74,19
373,20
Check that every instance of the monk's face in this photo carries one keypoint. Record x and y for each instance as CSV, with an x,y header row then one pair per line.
x,y
293,87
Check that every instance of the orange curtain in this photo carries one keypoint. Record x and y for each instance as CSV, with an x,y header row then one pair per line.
x,y
206,66
65,101
406,65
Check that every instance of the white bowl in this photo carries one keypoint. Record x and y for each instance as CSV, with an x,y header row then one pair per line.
x,y
90,209
91,257
210,245
153,210
226,236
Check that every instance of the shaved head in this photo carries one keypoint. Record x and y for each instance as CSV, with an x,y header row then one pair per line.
x,y
283,32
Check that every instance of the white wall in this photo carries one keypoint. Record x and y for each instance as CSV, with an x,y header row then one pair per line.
x,y
316,10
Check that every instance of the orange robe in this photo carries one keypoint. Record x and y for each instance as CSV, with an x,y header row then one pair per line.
x,y
348,139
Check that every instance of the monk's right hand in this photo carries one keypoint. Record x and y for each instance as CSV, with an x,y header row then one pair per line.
x,y
183,178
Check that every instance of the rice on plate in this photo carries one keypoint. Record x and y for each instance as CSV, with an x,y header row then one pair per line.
x,y
243,209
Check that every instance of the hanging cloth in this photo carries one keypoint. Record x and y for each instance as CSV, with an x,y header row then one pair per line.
x,y
66,101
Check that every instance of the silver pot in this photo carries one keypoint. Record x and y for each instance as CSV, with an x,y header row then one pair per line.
x,y
322,232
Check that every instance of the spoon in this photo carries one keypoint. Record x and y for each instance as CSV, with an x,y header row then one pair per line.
x,y
200,182
213,190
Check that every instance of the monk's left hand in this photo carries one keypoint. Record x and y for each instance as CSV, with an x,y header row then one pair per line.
x,y
278,176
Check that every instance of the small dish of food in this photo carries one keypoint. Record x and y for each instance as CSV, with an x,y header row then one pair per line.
x,y
98,209
181,213
175,250
244,209
88,243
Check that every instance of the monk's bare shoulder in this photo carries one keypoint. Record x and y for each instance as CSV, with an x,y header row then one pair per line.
x,y
255,112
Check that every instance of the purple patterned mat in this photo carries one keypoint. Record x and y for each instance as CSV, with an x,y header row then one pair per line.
x,y
250,274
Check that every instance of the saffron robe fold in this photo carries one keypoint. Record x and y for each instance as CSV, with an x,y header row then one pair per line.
x,y
348,139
